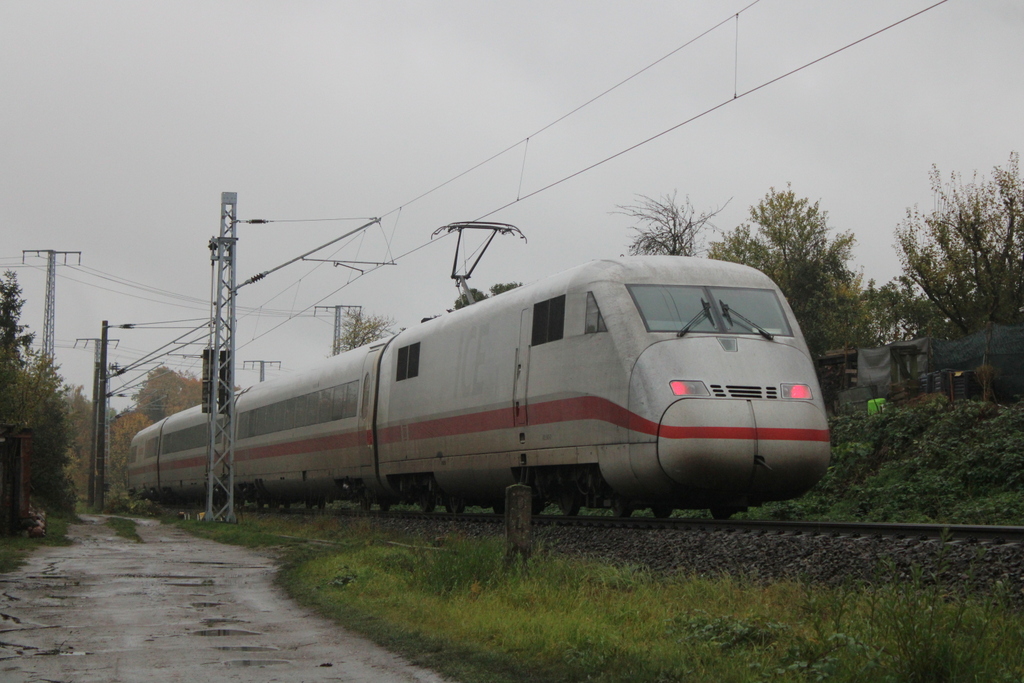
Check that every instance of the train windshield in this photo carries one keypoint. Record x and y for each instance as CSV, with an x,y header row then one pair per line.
x,y
760,308
668,308
671,308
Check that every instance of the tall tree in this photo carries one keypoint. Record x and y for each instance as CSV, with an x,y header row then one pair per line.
x,y
80,419
667,226
359,329
122,429
13,335
898,311
788,238
967,255
166,392
33,395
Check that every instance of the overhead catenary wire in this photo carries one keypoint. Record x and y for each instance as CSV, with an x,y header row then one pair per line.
x,y
332,293
525,140
572,111
520,197
709,110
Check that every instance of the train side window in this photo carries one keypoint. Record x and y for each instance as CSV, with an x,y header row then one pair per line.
x,y
595,321
337,402
350,404
259,427
242,426
408,362
275,417
303,412
548,320
324,401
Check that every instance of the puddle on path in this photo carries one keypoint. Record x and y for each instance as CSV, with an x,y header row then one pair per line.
x,y
225,632
246,648
256,662
211,621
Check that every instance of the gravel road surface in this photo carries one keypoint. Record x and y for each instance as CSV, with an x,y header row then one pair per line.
x,y
173,608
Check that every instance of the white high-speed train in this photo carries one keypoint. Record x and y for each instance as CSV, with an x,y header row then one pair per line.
x,y
662,382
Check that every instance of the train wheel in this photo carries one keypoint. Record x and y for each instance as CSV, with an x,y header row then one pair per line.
x,y
537,503
569,503
621,507
454,505
427,501
662,511
723,513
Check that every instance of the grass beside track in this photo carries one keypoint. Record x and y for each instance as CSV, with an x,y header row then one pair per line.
x,y
453,605
14,549
125,528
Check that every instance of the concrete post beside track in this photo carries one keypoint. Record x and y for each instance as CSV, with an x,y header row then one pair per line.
x,y
518,517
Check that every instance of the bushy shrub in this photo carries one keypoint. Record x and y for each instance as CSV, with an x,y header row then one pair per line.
x,y
930,462
120,503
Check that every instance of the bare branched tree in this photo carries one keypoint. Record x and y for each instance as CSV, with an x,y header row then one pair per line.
x,y
667,226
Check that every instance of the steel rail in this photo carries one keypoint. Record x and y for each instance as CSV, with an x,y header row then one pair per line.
x,y
956,533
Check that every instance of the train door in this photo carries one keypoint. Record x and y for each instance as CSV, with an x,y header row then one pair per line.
x,y
158,442
367,423
519,401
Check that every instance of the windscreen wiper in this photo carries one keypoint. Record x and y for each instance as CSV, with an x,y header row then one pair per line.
x,y
704,313
754,326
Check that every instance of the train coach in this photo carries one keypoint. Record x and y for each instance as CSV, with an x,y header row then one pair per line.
x,y
647,382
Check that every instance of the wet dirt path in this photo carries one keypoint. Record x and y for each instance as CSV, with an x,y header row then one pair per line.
x,y
173,608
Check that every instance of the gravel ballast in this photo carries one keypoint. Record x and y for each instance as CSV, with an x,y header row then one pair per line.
x,y
827,560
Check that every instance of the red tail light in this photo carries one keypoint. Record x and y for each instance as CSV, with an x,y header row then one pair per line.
x,y
681,387
798,391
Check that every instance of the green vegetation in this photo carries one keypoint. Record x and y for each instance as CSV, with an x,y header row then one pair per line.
x,y
120,502
33,395
13,549
125,528
931,462
454,606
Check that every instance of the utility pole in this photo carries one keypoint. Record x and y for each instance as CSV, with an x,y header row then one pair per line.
x,y
219,368
95,415
51,290
100,434
336,345
263,366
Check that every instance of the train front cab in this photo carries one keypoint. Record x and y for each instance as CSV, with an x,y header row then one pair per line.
x,y
735,412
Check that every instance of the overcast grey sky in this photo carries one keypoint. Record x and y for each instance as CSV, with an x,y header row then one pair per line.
x,y
122,122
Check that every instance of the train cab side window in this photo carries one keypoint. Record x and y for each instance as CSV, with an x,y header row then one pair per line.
x,y
548,321
595,321
408,362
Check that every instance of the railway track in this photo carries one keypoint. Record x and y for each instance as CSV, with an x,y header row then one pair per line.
x,y
954,533
966,558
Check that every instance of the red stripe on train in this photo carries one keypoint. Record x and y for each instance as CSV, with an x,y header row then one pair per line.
x,y
746,433
549,412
